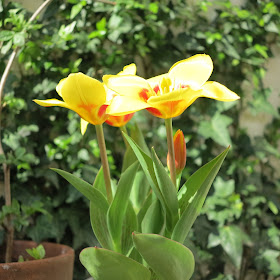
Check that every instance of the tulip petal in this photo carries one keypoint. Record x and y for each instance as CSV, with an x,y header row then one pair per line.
x,y
51,103
79,89
128,70
218,91
122,105
193,72
155,82
84,125
174,103
128,85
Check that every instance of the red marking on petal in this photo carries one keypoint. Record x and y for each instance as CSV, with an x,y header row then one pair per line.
x,y
143,94
87,107
184,86
102,111
127,117
155,112
156,89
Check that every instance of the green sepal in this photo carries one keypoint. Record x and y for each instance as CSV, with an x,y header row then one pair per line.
x,y
103,264
169,192
91,193
167,258
119,204
193,194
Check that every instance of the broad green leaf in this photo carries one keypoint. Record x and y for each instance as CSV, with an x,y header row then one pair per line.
x,y
154,219
6,35
147,166
141,214
103,264
216,129
137,136
232,239
99,182
119,204
269,260
98,217
169,192
139,191
167,258
129,225
193,194
91,193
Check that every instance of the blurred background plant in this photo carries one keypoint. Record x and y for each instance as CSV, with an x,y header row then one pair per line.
x,y
237,236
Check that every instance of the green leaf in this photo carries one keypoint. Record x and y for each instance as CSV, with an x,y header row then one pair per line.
x,y
129,225
76,9
216,129
139,191
98,217
169,192
154,220
37,253
19,39
167,258
91,193
147,166
103,264
119,204
193,194
231,238
137,136
6,35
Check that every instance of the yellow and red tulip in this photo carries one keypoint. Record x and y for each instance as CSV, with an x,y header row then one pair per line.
x,y
119,121
82,94
180,152
168,95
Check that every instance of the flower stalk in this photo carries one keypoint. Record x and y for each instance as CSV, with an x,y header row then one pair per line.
x,y
170,145
104,161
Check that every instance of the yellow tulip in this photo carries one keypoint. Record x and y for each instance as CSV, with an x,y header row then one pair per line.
x,y
82,94
168,95
119,121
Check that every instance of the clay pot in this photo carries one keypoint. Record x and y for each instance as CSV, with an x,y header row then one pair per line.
x,y
57,264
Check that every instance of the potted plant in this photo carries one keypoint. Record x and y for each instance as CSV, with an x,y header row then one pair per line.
x,y
143,222
57,263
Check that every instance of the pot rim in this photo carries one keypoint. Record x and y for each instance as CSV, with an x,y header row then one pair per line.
x,y
65,252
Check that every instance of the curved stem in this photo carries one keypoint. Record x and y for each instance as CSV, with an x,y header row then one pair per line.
x,y
169,135
104,161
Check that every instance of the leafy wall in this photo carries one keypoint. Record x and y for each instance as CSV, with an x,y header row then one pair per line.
x,y
237,235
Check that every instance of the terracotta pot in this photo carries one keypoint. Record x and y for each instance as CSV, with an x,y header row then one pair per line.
x,y
57,265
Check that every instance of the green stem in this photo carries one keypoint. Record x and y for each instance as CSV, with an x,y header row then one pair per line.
x,y
169,135
104,161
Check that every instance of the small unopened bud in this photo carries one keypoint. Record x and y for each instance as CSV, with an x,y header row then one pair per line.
x,y
180,152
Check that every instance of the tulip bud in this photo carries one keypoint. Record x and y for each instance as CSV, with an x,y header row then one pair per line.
x,y
180,152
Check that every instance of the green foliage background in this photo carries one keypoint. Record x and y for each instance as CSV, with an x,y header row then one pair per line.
x,y
238,233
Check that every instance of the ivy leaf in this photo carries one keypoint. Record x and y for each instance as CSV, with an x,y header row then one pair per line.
x,y
232,238
216,129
